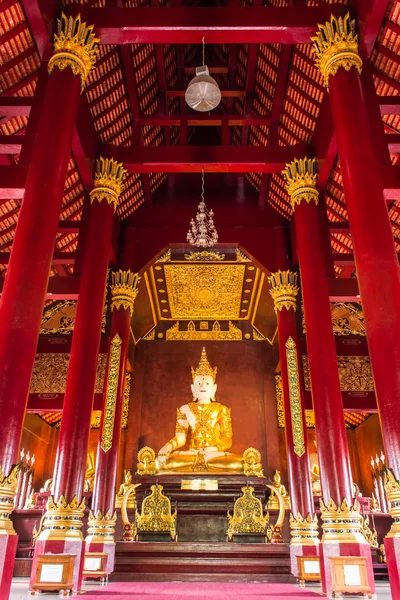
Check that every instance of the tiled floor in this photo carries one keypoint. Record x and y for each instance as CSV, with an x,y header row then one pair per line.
x,y
19,591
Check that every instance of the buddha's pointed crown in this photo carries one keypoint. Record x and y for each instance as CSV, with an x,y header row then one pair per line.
x,y
204,368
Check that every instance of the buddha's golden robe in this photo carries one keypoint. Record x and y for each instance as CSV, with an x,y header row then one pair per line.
x,y
208,428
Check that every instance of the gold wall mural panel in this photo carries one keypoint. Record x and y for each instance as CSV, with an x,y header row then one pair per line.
x,y
355,374
50,373
204,291
347,319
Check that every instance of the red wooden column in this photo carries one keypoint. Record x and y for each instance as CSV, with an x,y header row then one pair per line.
x,y
63,521
102,517
377,265
22,300
303,520
341,518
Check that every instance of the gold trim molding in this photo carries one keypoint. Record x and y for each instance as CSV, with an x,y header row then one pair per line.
x,y
124,289
108,181
284,289
336,45
75,46
216,333
301,181
295,397
107,433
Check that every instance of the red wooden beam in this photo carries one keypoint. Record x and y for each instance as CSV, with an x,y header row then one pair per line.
x,y
60,258
390,105
204,120
12,181
343,290
192,159
11,144
393,140
391,181
15,106
228,25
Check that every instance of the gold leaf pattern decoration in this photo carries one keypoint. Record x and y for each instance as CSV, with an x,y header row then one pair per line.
x,y
127,395
295,397
111,394
50,373
279,401
355,374
347,319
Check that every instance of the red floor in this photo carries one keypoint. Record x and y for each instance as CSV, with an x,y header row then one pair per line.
x,y
200,591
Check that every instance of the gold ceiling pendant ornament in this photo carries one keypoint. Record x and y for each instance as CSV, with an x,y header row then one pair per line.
x,y
156,514
336,45
124,289
342,522
108,181
301,180
63,520
101,528
392,489
8,489
248,515
202,232
107,433
252,465
75,46
284,289
304,530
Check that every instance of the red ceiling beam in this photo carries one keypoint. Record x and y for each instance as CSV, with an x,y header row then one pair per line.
x,y
59,258
394,142
12,181
11,144
223,25
206,120
192,159
343,290
391,181
389,105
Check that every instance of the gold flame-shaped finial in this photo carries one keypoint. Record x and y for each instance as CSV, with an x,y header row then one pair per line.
x,y
75,46
336,45
301,180
204,368
108,181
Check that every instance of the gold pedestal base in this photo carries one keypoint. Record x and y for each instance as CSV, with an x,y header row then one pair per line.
x,y
342,523
304,530
62,520
101,528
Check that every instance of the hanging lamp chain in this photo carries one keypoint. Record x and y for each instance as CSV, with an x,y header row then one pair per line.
x,y
204,50
202,185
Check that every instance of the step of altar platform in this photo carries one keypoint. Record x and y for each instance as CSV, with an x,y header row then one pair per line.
x,y
214,561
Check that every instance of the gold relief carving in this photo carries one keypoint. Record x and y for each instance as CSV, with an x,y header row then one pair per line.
x,y
111,394
204,291
301,180
355,373
280,412
165,257
284,289
75,46
336,45
204,255
108,181
252,465
347,319
127,395
146,461
156,515
8,489
341,522
248,515
50,373
216,333
62,520
241,256
303,530
150,336
124,289
295,397
59,317
101,528
392,489
257,336
370,535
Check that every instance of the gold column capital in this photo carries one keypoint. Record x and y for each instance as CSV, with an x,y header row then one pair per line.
x,y
75,46
124,289
342,522
336,45
8,489
392,489
303,530
283,289
301,180
62,520
108,181
101,527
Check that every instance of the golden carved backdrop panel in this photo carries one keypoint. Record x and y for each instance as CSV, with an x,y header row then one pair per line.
x,y
204,291
50,373
354,372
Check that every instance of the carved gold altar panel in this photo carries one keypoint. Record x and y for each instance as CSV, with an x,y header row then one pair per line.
x,y
204,291
355,374
156,515
248,515
50,373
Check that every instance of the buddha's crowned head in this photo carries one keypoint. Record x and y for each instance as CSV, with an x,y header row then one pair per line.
x,y
204,387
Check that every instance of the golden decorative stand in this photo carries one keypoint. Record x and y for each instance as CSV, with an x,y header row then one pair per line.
x,y
156,515
248,516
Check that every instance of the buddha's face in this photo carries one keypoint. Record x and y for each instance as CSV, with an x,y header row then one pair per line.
x,y
204,389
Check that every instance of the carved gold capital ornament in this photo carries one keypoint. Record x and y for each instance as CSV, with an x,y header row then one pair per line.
x,y
304,530
62,520
124,289
108,181
283,289
75,46
301,180
392,489
342,522
336,45
101,528
8,489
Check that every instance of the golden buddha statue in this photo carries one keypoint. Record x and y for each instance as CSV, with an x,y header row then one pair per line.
x,y
273,501
203,430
